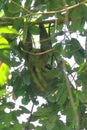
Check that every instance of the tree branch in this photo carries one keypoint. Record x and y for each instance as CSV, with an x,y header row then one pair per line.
x,y
68,85
6,21
29,119
86,48
60,21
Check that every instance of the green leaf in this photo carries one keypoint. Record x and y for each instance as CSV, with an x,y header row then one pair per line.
x,y
77,15
2,91
4,44
50,126
57,49
67,110
4,56
18,23
25,101
43,111
52,98
8,30
54,5
68,49
82,78
83,96
26,78
62,94
78,58
52,73
82,68
17,126
4,72
68,68
34,30
78,51
40,128
24,110
12,9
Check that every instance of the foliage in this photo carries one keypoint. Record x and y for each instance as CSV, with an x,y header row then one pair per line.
x,y
37,47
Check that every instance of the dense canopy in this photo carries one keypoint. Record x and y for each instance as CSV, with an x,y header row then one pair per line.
x,y
43,57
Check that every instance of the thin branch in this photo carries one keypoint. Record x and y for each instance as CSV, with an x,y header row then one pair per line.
x,y
86,48
29,119
62,10
9,21
29,13
68,85
52,12
59,21
37,54
72,102
31,113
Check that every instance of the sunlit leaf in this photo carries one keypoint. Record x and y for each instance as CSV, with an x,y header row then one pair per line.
x,y
4,72
8,30
4,56
4,43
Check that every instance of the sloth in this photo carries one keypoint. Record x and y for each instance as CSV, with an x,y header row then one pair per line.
x,y
37,60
